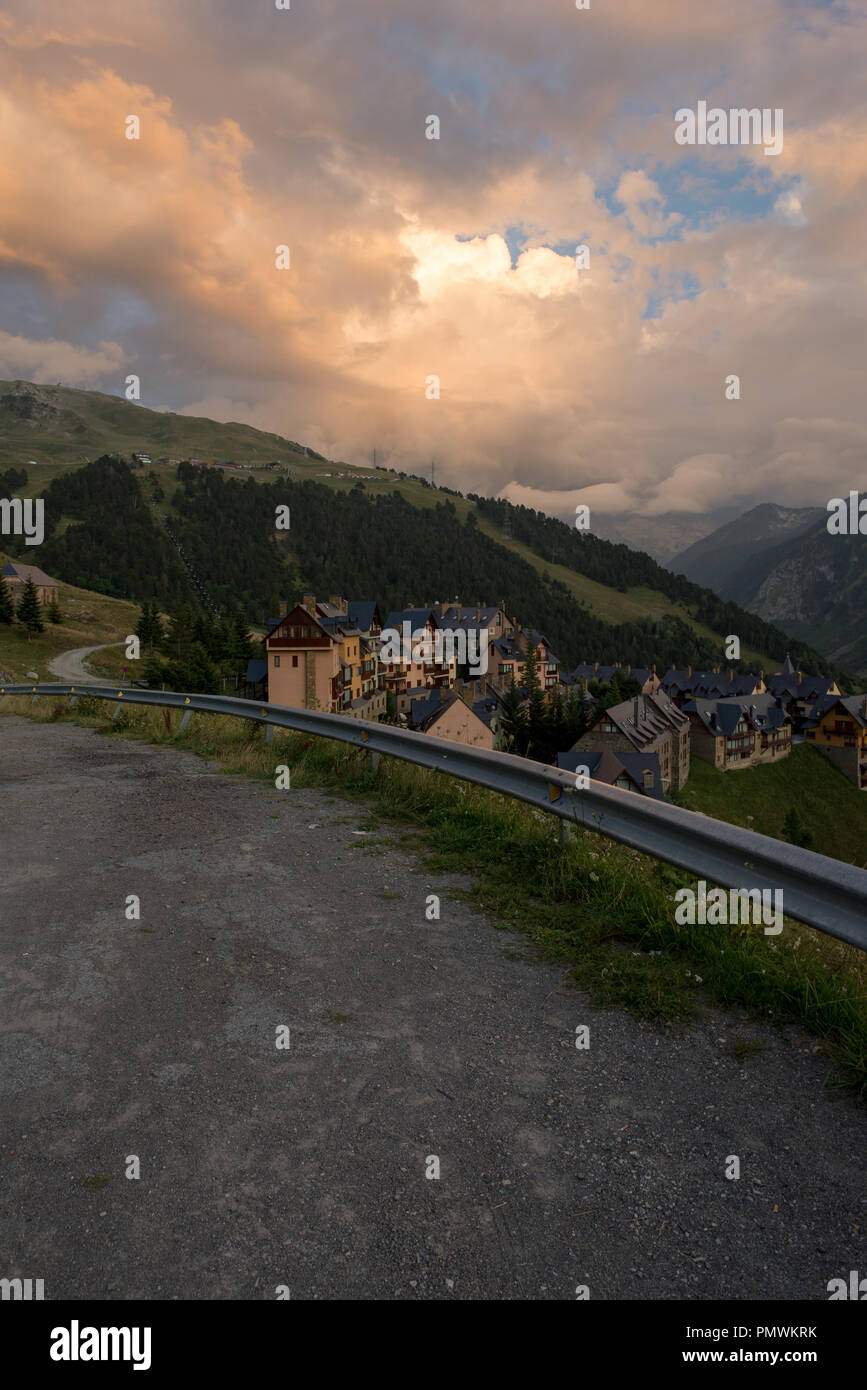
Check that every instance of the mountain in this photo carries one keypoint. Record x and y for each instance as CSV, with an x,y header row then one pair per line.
x,y
354,530
784,565
53,425
716,559
664,536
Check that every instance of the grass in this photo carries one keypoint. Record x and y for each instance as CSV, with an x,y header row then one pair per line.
x,y
88,619
758,798
602,911
89,423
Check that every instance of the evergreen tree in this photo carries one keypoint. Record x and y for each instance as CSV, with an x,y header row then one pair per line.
x,y
240,647
149,628
7,607
535,703
554,733
576,717
179,638
514,721
54,613
29,612
795,831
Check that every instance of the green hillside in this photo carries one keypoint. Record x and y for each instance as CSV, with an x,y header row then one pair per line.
x,y
621,593
88,619
758,798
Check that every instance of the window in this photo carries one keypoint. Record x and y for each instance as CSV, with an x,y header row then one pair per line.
x,y
294,660
276,661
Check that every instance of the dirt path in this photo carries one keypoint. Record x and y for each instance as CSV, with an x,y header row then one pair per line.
x,y
305,1166
70,666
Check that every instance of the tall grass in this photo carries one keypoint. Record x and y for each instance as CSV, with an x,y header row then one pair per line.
x,y
603,911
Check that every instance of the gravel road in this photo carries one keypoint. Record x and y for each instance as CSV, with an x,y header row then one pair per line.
x,y
305,1167
69,666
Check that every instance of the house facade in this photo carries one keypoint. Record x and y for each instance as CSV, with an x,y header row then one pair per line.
x,y
16,577
838,728
742,732
645,724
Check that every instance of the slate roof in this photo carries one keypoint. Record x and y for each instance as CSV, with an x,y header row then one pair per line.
x,y
422,710
487,613
637,764
656,715
854,705
721,717
605,766
417,617
257,670
362,613
809,688
709,685
26,572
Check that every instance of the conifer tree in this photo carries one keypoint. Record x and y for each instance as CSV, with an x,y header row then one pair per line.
x,y
7,607
29,611
514,721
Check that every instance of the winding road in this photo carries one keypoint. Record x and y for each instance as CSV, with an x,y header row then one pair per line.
x,y
69,666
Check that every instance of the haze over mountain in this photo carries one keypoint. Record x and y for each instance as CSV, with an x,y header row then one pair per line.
x,y
663,536
717,558
783,564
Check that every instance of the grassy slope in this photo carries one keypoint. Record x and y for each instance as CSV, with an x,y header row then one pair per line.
x,y
114,425
88,619
759,797
604,912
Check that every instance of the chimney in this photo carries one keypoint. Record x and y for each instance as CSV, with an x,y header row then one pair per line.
x,y
458,611
689,673
596,666
799,677
635,711
309,603
337,602
730,674
282,609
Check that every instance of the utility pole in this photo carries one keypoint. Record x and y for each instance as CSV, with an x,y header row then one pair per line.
x,y
432,473
374,460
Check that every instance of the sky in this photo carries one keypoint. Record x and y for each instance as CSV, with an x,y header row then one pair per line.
x,y
560,383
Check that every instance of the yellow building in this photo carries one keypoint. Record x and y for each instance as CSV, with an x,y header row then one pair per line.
x,y
838,728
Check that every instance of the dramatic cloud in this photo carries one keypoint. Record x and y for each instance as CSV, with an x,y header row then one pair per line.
x,y
560,381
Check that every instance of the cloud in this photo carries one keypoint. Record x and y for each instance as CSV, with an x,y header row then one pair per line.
x,y
56,361
412,257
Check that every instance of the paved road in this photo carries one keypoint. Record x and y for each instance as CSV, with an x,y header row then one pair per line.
x,y
306,1167
70,666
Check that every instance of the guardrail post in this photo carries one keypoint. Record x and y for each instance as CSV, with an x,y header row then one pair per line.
x,y
73,701
567,832
33,701
117,709
269,733
374,760
188,714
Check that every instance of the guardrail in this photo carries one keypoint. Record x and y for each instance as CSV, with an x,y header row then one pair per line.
x,y
822,892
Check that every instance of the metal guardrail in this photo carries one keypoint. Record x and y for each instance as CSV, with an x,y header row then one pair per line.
x,y
822,892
